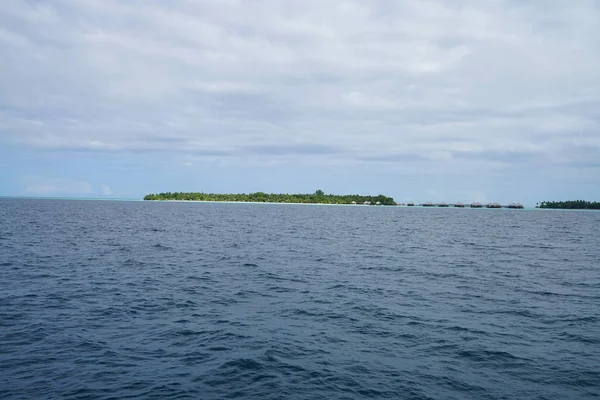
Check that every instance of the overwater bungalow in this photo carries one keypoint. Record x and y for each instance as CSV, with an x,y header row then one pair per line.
x,y
428,204
378,203
476,205
367,203
443,204
494,205
410,204
516,205
459,204
353,203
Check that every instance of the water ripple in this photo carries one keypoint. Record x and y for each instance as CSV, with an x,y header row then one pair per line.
x,y
104,300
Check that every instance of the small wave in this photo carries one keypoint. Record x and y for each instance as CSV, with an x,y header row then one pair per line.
x,y
319,301
11,316
187,332
319,314
193,358
159,246
338,286
131,262
199,278
578,338
275,277
590,318
41,276
219,348
464,389
91,345
224,301
242,364
489,356
148,307
457,328
515,312
281,289
250,265
549,293
378,332
250,294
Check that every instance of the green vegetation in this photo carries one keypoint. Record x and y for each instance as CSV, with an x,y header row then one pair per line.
x,y
319,197
570,205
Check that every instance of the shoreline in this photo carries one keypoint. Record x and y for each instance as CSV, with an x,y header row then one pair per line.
x,y
259,202
327,204
526,208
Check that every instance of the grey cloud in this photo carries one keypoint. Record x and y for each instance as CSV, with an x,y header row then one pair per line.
x,y
297,149
395,158
510,157
383,81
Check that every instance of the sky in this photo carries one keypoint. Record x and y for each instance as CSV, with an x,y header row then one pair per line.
x,y
428,100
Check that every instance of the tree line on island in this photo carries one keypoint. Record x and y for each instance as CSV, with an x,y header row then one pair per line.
x,y
319,197
570,205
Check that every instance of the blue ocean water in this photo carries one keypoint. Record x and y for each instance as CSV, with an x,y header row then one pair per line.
x,y
102,299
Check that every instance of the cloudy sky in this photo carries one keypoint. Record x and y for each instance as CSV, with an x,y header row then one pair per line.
x,y
423,100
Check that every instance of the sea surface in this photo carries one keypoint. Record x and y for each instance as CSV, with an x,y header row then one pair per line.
x,y
116,300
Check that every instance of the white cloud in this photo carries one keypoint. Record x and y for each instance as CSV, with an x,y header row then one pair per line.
x,y
105,190
43,186
465,84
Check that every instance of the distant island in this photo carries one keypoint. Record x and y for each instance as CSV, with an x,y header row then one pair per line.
x,y
570,205
319,197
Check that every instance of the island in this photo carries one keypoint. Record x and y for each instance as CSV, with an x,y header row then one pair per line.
x,y
570,205
318,197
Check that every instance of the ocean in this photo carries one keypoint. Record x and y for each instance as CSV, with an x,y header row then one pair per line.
x,y
166,300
